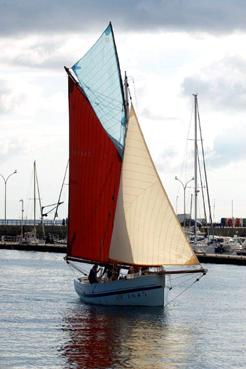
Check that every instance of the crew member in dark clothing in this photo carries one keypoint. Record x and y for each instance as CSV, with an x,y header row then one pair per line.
x,y
93,274
108,271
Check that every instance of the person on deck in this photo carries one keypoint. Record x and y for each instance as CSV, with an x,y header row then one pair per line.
x,y
115,273
145,270
93,274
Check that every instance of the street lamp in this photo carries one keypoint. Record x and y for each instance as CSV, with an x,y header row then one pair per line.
x,y
184,185
5,191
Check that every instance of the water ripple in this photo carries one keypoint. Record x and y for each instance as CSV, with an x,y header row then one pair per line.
x,y
44,325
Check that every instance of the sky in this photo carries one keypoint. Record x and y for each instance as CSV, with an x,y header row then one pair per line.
x,y
171,49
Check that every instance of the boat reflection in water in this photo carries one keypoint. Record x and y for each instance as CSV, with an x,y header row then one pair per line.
x,y
108,337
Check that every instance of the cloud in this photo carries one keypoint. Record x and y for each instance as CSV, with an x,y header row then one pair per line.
x,y
220,84
36,55
22,17
229,147
166,161
8,99
146,113
10,147
36,52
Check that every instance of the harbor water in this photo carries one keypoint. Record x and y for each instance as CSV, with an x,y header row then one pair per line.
x,y
44,325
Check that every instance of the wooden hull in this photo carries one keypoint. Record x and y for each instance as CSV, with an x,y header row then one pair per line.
x,y
146,290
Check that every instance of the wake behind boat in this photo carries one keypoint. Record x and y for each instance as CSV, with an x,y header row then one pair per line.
x,y
119,214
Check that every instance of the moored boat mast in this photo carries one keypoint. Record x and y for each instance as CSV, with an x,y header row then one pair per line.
x,y
195,166
34,200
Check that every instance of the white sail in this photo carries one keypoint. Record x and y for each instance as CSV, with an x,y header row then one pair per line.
x,y
146,230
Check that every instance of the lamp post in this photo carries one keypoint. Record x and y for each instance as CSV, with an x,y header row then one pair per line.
x,y
22,216
184,185
5,192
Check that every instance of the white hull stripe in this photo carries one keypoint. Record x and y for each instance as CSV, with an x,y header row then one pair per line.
x,y
120,292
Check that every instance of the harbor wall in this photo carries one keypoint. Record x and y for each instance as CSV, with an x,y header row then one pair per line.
x,y
226,231
59,232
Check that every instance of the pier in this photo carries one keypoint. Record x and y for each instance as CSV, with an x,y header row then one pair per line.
x,y
221,259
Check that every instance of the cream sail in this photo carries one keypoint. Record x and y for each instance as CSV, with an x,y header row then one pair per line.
x,y
146,230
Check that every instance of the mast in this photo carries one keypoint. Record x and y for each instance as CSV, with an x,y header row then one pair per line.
x,y
202,186
59,198
34,199
126,104
119,72
195,166
40,205
126,97
22,215
205,174
191,198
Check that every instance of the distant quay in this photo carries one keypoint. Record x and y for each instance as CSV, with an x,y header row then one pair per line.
x,y
62,248
225,231
221,259
10,232
57,248
14,230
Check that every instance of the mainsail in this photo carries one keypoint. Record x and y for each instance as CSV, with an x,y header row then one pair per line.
x,y
146,230
94,176
98,73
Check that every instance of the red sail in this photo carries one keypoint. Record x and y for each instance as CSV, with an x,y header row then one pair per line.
x,y
94,177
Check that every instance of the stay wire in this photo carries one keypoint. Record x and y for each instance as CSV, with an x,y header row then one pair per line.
x,y
73,266
184,290
181,282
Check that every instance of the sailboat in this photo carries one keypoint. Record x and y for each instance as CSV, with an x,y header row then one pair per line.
x,y
200,243
30,238
120,217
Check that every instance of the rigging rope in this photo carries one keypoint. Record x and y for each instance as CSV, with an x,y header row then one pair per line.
x,y
184,290
72,265
172,286
205,173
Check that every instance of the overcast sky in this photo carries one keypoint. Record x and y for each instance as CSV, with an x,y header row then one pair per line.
x,y
170,49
